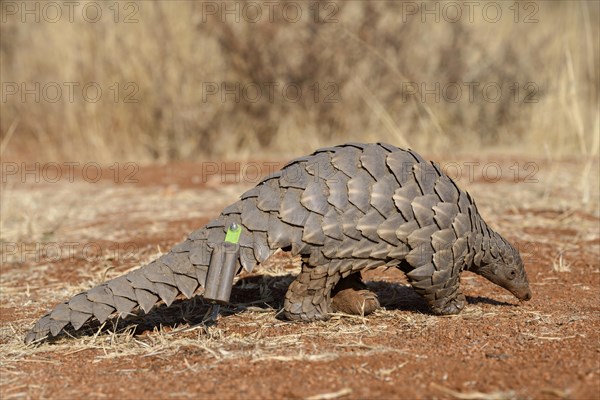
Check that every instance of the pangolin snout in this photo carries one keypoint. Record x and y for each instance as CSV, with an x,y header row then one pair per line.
x,y
524,295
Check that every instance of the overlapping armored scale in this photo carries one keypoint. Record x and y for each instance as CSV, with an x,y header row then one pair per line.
x,y
341,223
349,186
308,297
425,207
183,270
489,245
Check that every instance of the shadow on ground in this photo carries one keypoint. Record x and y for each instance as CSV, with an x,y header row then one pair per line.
x,y
258,291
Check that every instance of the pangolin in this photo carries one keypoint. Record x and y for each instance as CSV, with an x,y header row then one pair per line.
x,y
343,209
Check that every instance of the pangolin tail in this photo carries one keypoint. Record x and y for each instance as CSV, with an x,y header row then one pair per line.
x,y
181,271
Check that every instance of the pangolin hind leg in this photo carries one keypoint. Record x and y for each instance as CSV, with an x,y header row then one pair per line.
x,y
308,297
351,296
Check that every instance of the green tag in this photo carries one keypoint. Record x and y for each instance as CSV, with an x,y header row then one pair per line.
x,y
233,233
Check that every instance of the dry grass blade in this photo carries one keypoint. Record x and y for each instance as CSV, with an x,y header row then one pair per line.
x,y
300,357
561,394
473,395
550,337
559,264
332,395
8,136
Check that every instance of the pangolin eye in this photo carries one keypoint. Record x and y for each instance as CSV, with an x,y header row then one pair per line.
x,y
512,274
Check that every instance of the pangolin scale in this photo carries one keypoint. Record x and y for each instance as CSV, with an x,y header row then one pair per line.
x,y
344,209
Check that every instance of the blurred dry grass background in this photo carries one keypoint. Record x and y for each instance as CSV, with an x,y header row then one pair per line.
x,y
372,54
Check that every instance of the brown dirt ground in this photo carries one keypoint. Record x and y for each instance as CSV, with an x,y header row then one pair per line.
x,y
496,349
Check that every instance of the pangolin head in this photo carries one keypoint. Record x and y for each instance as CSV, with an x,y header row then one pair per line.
x,y
506,270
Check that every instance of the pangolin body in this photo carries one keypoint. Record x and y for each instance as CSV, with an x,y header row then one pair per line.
x,y
344,209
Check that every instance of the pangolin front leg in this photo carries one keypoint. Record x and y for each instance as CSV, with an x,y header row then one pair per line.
x,y
444,298
439,284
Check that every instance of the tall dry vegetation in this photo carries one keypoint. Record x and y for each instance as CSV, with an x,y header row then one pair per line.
x,y
368,61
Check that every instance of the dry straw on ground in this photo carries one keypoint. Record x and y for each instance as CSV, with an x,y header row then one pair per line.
x,y
386,348
371,54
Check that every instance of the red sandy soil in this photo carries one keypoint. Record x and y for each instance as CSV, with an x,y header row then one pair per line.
x,y
497,348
